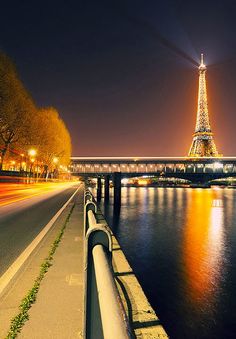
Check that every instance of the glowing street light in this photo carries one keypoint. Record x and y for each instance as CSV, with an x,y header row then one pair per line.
x,y
55,160
22,163
32,152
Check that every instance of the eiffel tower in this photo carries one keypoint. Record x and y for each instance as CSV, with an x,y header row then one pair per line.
x,y
203,144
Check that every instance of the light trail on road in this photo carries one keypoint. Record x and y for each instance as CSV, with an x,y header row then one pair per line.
x,y
11,192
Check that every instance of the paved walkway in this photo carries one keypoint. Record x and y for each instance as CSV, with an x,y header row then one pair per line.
x,y
58,310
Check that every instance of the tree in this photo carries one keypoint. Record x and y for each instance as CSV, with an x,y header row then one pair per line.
x,y
24,126
16,108
53,140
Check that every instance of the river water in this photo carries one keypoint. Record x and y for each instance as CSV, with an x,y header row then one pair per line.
x,y
181,244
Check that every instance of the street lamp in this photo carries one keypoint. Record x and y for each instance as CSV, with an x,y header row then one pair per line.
x,y
55,172
32,153
22,162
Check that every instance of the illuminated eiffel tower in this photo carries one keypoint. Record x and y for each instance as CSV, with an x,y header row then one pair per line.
x,y
203,144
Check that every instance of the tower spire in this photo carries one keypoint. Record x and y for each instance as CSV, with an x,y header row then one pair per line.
x,y
203,144
202,63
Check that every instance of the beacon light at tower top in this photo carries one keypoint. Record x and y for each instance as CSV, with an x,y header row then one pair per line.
x,y
202,66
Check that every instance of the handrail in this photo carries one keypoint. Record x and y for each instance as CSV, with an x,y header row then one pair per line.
x,y
112,313
91,218
105,317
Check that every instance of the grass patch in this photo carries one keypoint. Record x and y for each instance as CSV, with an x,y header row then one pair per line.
x,y
19,320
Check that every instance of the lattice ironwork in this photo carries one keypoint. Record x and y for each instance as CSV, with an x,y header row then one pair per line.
x,y
203,144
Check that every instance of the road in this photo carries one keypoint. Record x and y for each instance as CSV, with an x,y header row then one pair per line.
x,y
24,211
12,192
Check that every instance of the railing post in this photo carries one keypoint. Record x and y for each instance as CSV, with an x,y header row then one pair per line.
x,y
87,196
89,205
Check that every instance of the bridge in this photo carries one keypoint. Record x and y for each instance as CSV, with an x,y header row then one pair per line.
x,y
196,170
181,167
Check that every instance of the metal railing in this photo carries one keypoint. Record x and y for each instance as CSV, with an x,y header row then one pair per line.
x,y
104,315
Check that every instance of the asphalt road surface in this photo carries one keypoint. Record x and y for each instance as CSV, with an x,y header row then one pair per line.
x,y
22,220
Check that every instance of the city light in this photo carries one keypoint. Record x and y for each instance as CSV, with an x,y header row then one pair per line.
x,y
218,165
32,152
143,182
125,181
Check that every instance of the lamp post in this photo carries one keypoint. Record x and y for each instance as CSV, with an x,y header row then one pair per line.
x,y
55,161
32,153
21,162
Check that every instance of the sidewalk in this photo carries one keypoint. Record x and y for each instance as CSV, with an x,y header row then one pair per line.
x,y
58,310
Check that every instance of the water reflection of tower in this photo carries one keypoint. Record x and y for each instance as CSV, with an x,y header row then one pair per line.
x,y
203,250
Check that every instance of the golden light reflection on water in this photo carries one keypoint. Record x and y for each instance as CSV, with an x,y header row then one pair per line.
x,y
203,246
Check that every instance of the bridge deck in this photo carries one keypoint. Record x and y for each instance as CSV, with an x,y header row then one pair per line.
x,y
152,165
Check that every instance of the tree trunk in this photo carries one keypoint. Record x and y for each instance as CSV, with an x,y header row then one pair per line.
x,y
7,142
3,153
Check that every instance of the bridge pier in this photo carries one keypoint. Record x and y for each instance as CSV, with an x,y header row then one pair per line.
x,y
117,188
107,187
99,188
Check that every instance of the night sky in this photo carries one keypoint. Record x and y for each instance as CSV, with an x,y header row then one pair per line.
x,y
122,73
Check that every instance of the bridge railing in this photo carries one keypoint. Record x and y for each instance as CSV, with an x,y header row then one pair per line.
x,y
104,315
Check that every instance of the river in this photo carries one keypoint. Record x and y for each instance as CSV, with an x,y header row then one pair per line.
x,y
181,244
